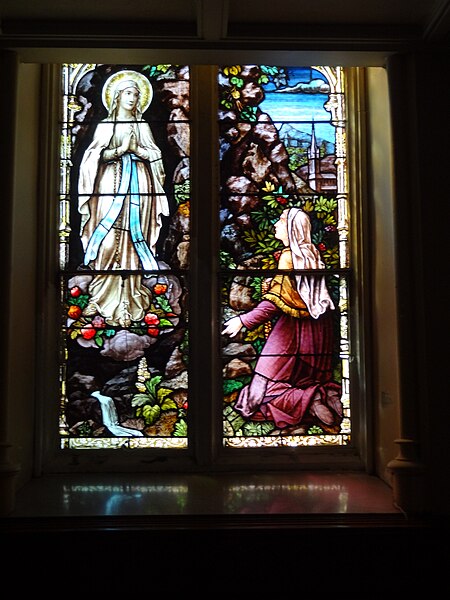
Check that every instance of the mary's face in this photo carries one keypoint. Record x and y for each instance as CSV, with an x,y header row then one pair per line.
x,y
129,98
281,229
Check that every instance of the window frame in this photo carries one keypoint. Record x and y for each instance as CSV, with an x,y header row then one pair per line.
x,y
201,455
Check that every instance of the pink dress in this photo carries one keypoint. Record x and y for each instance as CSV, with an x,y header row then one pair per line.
x,y
294,367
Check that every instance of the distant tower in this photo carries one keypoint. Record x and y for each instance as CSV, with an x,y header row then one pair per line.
x,y
314,175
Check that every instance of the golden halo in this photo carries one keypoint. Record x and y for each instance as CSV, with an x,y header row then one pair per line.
x,y
146,90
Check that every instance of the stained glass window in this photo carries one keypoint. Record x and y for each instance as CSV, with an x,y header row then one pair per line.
x,y
124,255
284,256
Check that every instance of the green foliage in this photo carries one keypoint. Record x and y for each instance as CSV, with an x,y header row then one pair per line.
x,y
150,413
324,206
248,114
256,285
141,399
258,345
156,70
180,428
231,385
275,74
82,301
264,217
322,214
149,404
315,430
252,428
263,241
85,429
231,97
255,334
269,262
298,157
337,373
182,192
237,81
226,260
233,418
317,237
162,303
261,238
331,258
226,101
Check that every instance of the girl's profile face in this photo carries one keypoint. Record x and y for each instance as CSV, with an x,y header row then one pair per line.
x,y
281,229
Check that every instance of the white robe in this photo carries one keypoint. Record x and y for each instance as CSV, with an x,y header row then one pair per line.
x,y
120,300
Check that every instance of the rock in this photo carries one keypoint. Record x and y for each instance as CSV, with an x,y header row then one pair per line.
x,y
236,368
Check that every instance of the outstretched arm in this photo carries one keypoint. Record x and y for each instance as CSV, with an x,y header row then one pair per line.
x,y
264,311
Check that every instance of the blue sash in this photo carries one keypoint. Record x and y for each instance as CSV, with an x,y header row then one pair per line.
x,y
128,184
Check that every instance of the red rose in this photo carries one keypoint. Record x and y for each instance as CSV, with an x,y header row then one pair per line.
x,y
153,331
88,332
75,292
74,311
151,319
160,288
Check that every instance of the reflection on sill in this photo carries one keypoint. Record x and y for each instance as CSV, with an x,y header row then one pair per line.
x,y
188,494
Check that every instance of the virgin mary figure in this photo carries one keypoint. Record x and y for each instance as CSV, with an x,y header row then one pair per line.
x,y
121,202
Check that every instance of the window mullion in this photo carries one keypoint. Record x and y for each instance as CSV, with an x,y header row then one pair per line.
x,y
204,396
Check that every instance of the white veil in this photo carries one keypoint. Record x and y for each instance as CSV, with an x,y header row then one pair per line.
x,y
120,87
312,288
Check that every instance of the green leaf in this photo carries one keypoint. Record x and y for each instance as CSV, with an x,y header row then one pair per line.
x,y
163,304
165,323
168,404
234,419
163,393
140,400
182,192
82,301
237,81
231,385
316,238
262,428
152,384
258,345
256,284
180,428
98,339
151,414
249,114
257,333
226,260
315,430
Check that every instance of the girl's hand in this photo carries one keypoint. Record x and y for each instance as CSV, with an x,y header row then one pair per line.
x,y
232,326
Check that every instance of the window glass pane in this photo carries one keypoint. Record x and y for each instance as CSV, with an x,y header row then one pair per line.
x,y
124,255
284,256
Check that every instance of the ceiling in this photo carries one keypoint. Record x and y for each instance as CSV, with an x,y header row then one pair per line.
x,y
226,22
